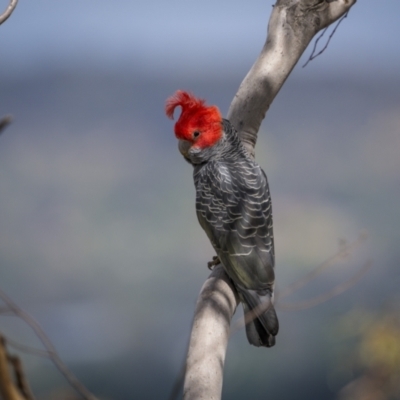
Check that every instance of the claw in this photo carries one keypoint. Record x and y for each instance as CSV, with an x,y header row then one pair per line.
x,y
215,261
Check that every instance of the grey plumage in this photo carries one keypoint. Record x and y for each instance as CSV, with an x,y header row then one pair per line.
x,y
233,206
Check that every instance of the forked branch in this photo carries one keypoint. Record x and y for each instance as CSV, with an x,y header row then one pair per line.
x,y
292,25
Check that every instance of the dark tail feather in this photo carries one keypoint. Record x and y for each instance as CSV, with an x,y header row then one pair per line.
x,y
260,329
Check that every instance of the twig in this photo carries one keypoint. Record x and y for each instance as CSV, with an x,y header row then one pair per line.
x,y
342,253
26,349
335,291
345,251
53,355
5,311
313,55
9,10
290,30
338,289
4,122
248,317
315,45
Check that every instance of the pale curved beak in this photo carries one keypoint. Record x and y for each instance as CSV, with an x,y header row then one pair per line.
x,y
184,147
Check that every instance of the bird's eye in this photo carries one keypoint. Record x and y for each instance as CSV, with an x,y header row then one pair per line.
x,y
196,134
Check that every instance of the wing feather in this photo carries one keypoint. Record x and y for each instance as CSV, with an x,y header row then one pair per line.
x,y
233,206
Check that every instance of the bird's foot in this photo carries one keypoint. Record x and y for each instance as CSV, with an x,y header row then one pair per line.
x,y
215,261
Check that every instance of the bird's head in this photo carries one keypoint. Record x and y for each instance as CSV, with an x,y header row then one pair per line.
x,y
199,126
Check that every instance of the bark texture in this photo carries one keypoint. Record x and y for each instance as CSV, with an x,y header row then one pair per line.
x,y
292,25
209,338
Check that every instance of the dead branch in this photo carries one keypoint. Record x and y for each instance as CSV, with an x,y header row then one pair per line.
x,y
313,53
8,389
9,10
292,25
303,305
335,291
26,349
344,252
48,345
20,377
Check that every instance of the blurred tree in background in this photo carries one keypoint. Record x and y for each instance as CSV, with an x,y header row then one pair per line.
x,y
370,354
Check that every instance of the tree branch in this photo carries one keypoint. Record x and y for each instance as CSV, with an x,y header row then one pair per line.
x,y
209,338
344,252
9,10
20,377
8,390
314,54
48,345
26,349
335,291
292,25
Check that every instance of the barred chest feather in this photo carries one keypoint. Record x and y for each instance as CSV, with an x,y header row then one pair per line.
x,y
233,206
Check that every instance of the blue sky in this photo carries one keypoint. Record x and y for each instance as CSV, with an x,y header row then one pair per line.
x,y
181,36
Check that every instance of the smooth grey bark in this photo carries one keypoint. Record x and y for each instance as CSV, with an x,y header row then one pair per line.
x,y
209,338
292,25
10,8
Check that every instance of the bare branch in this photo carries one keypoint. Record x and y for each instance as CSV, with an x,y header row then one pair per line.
x,y
20,377
209,338
26,349
8,390
341,254
344,252
292,25
9,10
313,55
212,352
53,355
339,289
316,44
240,323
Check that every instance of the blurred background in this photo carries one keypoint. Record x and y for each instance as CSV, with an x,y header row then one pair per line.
x,y
99,240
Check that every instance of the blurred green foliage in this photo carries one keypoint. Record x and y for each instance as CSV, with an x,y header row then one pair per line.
x,y
375,357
